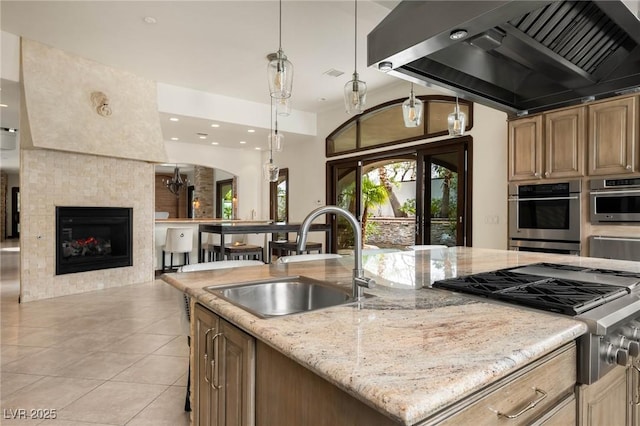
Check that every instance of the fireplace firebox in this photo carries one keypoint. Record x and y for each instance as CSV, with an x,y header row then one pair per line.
x,y
93,238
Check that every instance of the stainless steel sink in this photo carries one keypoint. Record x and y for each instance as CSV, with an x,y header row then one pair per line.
x,y
282,296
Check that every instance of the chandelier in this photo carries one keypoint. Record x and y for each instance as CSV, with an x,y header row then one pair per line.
x,y
175,184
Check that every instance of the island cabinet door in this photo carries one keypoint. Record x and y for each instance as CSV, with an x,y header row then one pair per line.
x,y
606,402
634,392
206,325
541,393
224,372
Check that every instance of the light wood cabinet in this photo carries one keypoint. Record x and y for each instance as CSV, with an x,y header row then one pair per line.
x,y
607,401
548,146
564,140
525,148
542,393
613,141
224,372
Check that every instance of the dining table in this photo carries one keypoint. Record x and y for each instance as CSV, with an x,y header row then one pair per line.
x,y
223,228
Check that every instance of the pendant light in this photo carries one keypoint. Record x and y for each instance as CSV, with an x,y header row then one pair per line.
x,y
283,107
280,69
270,171
355,91
412,110
456,121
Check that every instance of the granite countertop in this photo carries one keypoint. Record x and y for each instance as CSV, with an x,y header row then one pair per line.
x,y
412,350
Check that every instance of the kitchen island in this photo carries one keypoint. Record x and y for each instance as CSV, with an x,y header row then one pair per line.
x,y
410,351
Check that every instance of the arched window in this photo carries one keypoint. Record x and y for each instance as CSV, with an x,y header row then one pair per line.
x,y
383,125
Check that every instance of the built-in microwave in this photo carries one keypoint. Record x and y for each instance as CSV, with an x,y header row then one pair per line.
x,y
615,200
545,211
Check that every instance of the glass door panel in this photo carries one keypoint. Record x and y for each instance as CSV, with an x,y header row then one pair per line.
x,y
443,210
347,189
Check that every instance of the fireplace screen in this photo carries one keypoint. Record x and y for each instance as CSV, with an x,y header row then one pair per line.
x,y
92,238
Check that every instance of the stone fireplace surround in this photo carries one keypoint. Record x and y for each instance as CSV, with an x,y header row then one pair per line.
x,y
49,179
72,156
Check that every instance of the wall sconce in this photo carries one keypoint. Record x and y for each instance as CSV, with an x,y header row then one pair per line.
x,y
101,103
196,203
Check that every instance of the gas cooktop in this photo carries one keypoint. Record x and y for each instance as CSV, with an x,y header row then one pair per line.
x,y
567,289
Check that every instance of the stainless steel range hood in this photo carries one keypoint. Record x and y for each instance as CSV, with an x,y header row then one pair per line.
x,y
517,56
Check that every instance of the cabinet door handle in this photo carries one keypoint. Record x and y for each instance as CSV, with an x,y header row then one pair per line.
x,y
206,354
214,364
628,167
537,174
528,407
547,174
636,398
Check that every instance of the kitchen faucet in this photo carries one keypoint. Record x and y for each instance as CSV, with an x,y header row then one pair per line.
x,y
359,280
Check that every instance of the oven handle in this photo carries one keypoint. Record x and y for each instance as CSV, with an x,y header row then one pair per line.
x,y
611,192
543,198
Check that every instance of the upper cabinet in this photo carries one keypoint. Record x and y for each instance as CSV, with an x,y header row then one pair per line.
x,y
564,135
547,146
525,148
613,140
557,144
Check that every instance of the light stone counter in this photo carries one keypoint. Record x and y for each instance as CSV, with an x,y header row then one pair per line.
x,y
411,350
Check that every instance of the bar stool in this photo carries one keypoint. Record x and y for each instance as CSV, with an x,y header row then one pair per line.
x,y
178,240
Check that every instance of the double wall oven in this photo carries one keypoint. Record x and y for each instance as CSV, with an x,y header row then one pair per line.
x,y
545,217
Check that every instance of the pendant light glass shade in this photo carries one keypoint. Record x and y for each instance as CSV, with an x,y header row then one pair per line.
x,y
456,121
280,74
355,91
270,171
355,94
280,69
275,141
283,107
412,110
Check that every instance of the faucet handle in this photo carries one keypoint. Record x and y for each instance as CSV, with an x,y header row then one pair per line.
x,y
365,282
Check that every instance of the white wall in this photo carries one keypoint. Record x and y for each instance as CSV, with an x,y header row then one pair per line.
x,y
306,162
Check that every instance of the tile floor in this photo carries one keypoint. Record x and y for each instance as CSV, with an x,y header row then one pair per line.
x,y
108,357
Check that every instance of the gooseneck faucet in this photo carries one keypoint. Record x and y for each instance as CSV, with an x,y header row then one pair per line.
x,y
359,280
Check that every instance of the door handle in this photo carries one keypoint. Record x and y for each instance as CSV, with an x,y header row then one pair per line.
x,y
215,380
206,354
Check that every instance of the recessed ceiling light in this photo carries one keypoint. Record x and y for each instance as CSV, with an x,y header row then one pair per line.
x,y
258,148
4,105
203,136
214,143
243,142
251,131
174,119
150,20
175,139
215,125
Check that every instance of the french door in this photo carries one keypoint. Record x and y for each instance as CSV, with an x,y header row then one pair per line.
x,y
443,194
442,191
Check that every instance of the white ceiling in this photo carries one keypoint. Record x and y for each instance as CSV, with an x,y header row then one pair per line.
x,y
213,46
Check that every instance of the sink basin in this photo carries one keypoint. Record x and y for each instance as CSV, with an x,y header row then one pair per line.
x,y
282,296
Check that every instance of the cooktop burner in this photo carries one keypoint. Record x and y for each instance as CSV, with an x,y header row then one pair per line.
x,y
566,289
